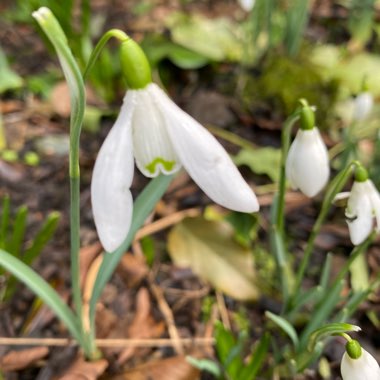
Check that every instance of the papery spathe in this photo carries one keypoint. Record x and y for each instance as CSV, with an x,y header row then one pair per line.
x,y
307,165
363,368
162,138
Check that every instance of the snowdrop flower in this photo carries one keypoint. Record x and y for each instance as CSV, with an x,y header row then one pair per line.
x,y
161,138
358,364
247,5
363,104
307,164
363,205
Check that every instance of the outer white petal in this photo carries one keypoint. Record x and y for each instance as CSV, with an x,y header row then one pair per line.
x,y
363,368
307,166
359,213
205,159
150,138
111,198
375,202
363,104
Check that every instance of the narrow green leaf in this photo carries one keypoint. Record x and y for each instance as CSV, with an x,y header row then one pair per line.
x,y
19,228
43,236
42,289
285,326
143,206
205,365
326,272
321,313
4,221
257,359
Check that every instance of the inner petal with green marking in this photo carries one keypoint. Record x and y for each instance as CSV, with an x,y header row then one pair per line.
x,y
163,165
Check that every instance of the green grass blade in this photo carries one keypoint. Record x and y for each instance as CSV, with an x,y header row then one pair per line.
x,y
285,326
18,234
43,236
42,289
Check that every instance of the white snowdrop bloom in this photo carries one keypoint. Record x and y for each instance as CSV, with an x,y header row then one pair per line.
x,y
162,138
363,104
363,368
363,206
247,5
307,164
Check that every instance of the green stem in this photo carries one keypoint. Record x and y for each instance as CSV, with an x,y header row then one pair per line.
x,y
335,186
285,144
119,34
74,79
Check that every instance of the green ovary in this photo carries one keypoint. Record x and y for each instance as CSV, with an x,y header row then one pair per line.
x,y
167,165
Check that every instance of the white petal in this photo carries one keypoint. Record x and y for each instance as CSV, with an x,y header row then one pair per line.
x,y
247,5
375,202
363,104
205,159
359,213
363,368
111,179
307,165
152,146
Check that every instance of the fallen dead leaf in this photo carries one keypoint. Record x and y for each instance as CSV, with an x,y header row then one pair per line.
x,y
175,368
83,370
132,269
20,359
142,326
208,248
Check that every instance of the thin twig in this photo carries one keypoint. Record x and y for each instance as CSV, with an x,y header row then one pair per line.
x,y
4,341
166,222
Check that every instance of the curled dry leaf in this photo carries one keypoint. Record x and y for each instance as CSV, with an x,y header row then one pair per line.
x,y
208,248
16,360
83,370
175,368
143,324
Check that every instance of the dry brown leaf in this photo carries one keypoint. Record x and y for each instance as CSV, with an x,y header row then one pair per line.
x,y
16,360
60,99
143,324
83,370
175,368
87,256
132,269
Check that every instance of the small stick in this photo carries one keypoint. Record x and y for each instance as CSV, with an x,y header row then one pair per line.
x,y
4,341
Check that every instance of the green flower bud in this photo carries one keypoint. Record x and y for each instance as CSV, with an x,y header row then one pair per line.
x,y
353,349
134,65
307,116
361,174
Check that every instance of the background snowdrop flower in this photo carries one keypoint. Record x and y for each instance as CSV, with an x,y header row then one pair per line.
x,y
363,205
162,138
307,164
363,104
247,5
361,366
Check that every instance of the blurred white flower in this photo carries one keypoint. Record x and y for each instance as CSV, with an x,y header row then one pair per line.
x,y
162,138
363,206
247,5
363,104
363,368
307,165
